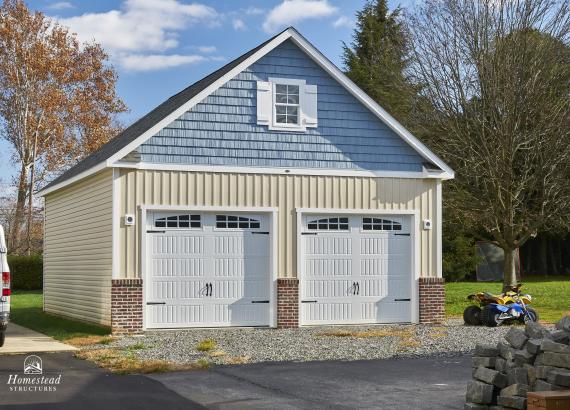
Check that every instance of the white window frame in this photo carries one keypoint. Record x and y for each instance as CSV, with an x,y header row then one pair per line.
x,y
283,126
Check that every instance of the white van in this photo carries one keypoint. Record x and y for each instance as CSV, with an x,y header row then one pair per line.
x,y
4,287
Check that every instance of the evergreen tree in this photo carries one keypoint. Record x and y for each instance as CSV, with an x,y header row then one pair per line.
x,y
377,58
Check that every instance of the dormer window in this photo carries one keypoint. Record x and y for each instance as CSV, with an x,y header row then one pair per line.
x,y
286,104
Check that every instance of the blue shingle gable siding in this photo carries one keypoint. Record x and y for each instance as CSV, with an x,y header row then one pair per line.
x,y
222,129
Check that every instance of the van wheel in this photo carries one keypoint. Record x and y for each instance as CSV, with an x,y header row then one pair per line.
x,y
489,317
472,315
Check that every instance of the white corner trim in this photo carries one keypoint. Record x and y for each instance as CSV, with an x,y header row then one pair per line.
x,y
76,178
439,229
116,223
280,171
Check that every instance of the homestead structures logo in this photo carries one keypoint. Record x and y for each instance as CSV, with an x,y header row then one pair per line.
x,y
33,365
34,379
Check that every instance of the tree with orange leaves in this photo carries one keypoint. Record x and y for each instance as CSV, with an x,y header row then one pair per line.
x,y
57,100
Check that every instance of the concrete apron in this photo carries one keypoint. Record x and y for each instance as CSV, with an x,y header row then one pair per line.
x,y
23,340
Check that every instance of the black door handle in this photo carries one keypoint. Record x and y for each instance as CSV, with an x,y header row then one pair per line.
x,y
357,288
210,289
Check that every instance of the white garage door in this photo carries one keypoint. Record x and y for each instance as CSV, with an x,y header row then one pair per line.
x,y
207,269
356,269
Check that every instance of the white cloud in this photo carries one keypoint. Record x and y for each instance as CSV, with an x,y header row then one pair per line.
x,y
141,25
207,49
238,24
343,21
150,62
60,5
294,11
253,11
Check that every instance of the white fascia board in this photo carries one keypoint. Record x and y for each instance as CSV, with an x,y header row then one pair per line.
x,y
200,96
282,171
78,177
398,128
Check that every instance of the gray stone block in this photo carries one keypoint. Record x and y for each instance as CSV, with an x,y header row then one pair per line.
x,y
552,346
505,350
475,406
514,390
556,359
543,371
560,378
485,351
490,376
524,357
564,324
512,402
516,338
500,364
533,345
534,330
480,393
539,360
483,362
531,373
560,336
541,385
518,375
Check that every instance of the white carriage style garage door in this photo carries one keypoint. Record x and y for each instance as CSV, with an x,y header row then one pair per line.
x,y
207,269
356,269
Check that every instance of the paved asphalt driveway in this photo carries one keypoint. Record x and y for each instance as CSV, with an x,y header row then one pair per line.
x,y
433,383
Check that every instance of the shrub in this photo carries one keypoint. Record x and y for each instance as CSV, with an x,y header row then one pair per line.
x,y
26,272
460,257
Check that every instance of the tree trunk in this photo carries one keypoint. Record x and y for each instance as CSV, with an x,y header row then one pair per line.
x,y
31,199
543,255
509,270
19,214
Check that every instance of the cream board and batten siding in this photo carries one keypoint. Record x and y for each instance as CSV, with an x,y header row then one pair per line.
x,y
78,249
286,192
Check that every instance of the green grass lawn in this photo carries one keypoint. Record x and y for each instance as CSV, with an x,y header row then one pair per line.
x,y
550,295
26,310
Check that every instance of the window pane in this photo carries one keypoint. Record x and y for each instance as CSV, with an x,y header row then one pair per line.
x,y
366,220
333,220
293,89
281,88
243,225
160,223
184,224
344,227
367,227
292,120
172,224
333,227
232,218
220,224
220,217
397,227
194,224
312,226
323,226
387,227
195,217
281,98
343,220
232,225
292,110
184,217
172,218
255,225
281,119
293,99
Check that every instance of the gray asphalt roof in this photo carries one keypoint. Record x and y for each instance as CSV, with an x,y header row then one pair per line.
x,y
149,120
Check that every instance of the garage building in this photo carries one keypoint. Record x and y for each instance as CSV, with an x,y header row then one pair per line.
x,y
273,192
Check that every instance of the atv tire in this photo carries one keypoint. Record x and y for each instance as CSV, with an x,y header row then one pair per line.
x,y
489,317
472,315
532,316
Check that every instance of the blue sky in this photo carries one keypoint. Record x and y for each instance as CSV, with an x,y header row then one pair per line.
x,y
159,47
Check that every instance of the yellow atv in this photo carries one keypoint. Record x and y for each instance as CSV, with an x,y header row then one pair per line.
x,y
472,314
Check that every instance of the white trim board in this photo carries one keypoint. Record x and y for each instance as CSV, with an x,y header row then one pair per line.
x,y
282,171
321,60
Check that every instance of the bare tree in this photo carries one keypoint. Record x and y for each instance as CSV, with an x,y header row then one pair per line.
x,y
57,101
497,75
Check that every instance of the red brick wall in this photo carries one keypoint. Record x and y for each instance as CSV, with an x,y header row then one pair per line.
x,y
126,306
287,303
432,300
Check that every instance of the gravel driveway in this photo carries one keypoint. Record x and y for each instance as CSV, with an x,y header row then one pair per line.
x,y
254,345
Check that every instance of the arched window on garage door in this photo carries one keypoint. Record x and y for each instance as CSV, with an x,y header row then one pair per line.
x,y
380,224
328,224
237,222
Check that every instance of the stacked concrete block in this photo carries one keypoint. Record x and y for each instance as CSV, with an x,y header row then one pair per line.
x,y
533,359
